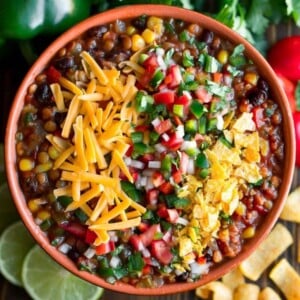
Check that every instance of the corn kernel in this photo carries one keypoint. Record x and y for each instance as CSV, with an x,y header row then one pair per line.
x,y
248,232
43,215
148,35
130,30
34,205
26,164
137,42
251,78
43,167
241,209
192,234
222,56
53,153
156,24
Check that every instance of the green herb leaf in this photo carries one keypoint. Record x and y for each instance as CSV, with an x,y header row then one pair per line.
x,y
135,262
217,89
175,202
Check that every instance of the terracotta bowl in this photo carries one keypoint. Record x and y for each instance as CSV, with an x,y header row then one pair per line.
x,y
130,12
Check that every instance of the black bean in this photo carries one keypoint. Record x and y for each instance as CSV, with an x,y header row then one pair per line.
x,y
43,95
64,63
97,31
256,96
73,255
59,117
182,277
263,85
140,22
207,36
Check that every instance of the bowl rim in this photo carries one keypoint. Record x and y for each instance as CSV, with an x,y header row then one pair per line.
x,y
126,12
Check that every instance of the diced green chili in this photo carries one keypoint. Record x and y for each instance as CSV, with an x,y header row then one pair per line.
x,y
211,65
154,137
204,173
140,149
81,215
173,201
166,166
202,125
137,137
157,78
131,191
178,110
202,161
197,109
143,101
191,126
187,59
212,124
64,200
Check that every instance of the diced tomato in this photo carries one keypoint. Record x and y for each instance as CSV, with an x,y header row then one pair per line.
x,y
201,260
173,77
174,142
147,270
203,95
105,248
136,242
90,236
149,235
177,120
129,151
162,212
184,159
173,215
177,176
165,97
152,196
166,188
258,116
167,237
143,227
217,77
163,126
161,251
151,64
142,128
77,229
53,75
147,157
183,99
157,179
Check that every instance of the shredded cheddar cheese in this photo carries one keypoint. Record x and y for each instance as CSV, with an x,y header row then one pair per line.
x,y
97,124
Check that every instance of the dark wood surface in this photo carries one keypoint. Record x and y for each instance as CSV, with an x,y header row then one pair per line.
x,y
11,73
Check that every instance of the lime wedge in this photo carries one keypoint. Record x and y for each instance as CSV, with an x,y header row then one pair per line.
x,y
2,170
8,212
15,242
44,279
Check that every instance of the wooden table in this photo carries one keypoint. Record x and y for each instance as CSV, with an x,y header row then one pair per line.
x,y
11,73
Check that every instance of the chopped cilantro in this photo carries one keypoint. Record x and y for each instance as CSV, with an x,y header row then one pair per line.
x,y
135,263
187,59
217,89
177,202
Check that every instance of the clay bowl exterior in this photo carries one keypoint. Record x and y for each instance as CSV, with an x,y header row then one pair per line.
x,y
130,12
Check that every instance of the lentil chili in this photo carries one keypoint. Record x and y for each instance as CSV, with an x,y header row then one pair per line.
x,y
188,157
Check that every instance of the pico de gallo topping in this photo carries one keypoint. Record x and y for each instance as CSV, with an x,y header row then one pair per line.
x,y
149,150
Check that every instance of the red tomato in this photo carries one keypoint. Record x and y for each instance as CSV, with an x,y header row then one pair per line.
x,y
289,89
284,57
258,116
296,117
90,236
174,142
105,248
165,97
161,250
163,126
53,75
173,77
149,235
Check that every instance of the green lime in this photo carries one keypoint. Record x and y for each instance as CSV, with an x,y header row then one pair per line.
x,y
15,242
8,211
44,279
2,169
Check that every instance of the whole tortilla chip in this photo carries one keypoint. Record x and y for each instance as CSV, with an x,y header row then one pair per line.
x,y
268,294
246,291
291,209
220,291
233,279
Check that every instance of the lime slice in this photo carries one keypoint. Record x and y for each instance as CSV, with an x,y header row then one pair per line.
x,y
8,212
15,242
2,170
44,279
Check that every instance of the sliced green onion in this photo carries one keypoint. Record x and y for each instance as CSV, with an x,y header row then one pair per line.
x,y
211,65
187,59
197,109
137,137
202,161
202,125
225,142
204,173
191,126
178,110
166,166
157,78
143,102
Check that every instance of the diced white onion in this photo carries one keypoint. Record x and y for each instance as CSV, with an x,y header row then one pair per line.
x,y
180,131
190,167
156,122
149,184
220,122
115,261
160,51
165,137
187,94
64,248
161,63
143,181
182,221
113,236
127,160
160,148
137,164
89,253
154,164
199,269
146,252
148,172
186,145
178,272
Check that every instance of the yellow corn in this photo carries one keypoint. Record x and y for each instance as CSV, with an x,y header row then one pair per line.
x,y
137,42
130,30
241,209
53,153
26,164
192,234
148,35
156,24
251,78
222,56
43,167
34,205
248,232
43,215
